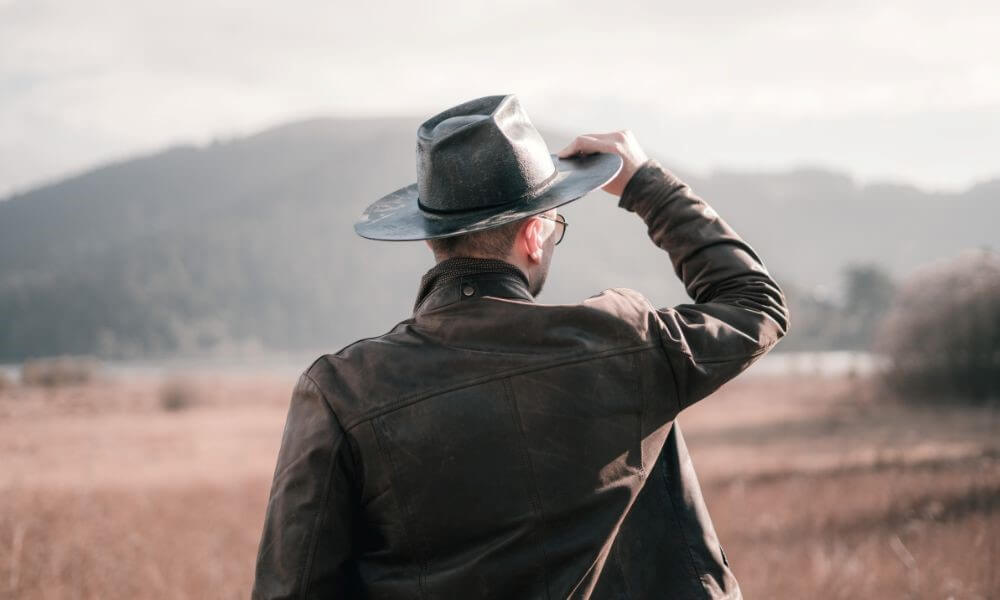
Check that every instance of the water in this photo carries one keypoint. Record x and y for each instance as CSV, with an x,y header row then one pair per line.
x,y
832,363
840,363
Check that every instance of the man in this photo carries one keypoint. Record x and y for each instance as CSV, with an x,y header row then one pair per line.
x,y
492,447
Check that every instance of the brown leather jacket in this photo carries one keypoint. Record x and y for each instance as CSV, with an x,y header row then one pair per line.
x,y
492,447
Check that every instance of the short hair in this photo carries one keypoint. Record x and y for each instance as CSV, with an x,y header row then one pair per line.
x,y
495,242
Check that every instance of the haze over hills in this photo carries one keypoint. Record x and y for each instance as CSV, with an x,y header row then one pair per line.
x,y
248,244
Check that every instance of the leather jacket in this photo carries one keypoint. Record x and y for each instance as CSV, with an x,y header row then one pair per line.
x,y
494,447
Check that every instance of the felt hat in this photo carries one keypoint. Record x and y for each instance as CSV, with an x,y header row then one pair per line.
x,y
482,164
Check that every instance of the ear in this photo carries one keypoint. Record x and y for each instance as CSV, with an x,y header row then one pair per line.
x,y
532,239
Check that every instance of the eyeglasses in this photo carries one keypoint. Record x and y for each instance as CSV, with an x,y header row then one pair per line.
x,y
562,221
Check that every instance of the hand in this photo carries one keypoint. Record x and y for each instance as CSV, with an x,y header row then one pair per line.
x,y
622,143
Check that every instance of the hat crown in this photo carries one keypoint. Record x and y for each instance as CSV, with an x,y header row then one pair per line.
x,y
480,154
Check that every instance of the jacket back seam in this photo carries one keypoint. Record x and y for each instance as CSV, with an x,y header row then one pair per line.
x,y
411,536
408,400
536,497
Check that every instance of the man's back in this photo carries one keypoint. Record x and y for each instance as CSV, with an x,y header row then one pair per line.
x,y
491,447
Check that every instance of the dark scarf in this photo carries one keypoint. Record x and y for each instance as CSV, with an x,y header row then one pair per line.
x,y
460,266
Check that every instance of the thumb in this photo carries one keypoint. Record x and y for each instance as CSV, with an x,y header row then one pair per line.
x,y
569,150
577,146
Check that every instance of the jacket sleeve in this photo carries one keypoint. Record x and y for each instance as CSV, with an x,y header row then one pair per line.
x,y
739,312
306,544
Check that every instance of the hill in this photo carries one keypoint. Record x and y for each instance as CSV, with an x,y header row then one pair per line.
x,y
247,244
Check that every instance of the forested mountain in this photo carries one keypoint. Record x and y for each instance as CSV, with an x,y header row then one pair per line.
x,y
248,243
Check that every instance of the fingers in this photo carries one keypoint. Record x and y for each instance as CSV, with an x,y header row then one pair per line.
x,y
588,144
622,143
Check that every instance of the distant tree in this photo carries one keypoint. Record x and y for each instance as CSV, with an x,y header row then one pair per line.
x,y
816,315
942,334
868,293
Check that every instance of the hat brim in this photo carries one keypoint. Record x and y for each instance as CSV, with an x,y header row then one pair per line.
x,y
398,217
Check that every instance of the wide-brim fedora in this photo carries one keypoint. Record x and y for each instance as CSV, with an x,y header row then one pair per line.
x,y
482,164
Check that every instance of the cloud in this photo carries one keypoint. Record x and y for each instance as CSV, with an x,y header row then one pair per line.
x,y
82,82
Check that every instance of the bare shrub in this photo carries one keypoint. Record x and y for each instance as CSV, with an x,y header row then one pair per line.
x,y
942,335
58,371
178,394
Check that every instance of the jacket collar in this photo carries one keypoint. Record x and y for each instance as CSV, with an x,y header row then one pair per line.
x,y
465,278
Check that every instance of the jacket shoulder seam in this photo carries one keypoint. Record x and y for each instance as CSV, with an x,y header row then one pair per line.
x,y
715,359
662,347
336,419
358,341
307,565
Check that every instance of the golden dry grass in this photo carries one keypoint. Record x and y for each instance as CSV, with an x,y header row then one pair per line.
x,y
819,488
841,493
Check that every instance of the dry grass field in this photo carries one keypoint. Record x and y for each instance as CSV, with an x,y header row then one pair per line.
x,y
820,488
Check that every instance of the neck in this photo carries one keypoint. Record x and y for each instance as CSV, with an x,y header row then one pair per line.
x,y
459,266
520,262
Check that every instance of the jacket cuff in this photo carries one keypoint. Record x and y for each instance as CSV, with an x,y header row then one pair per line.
x,y
649,181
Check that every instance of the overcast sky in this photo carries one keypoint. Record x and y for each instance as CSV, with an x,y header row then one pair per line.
x,y
900,90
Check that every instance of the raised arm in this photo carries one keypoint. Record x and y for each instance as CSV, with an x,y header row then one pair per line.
x,y
739,312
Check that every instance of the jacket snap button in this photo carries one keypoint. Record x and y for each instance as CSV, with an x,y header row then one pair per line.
x,y
468,290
